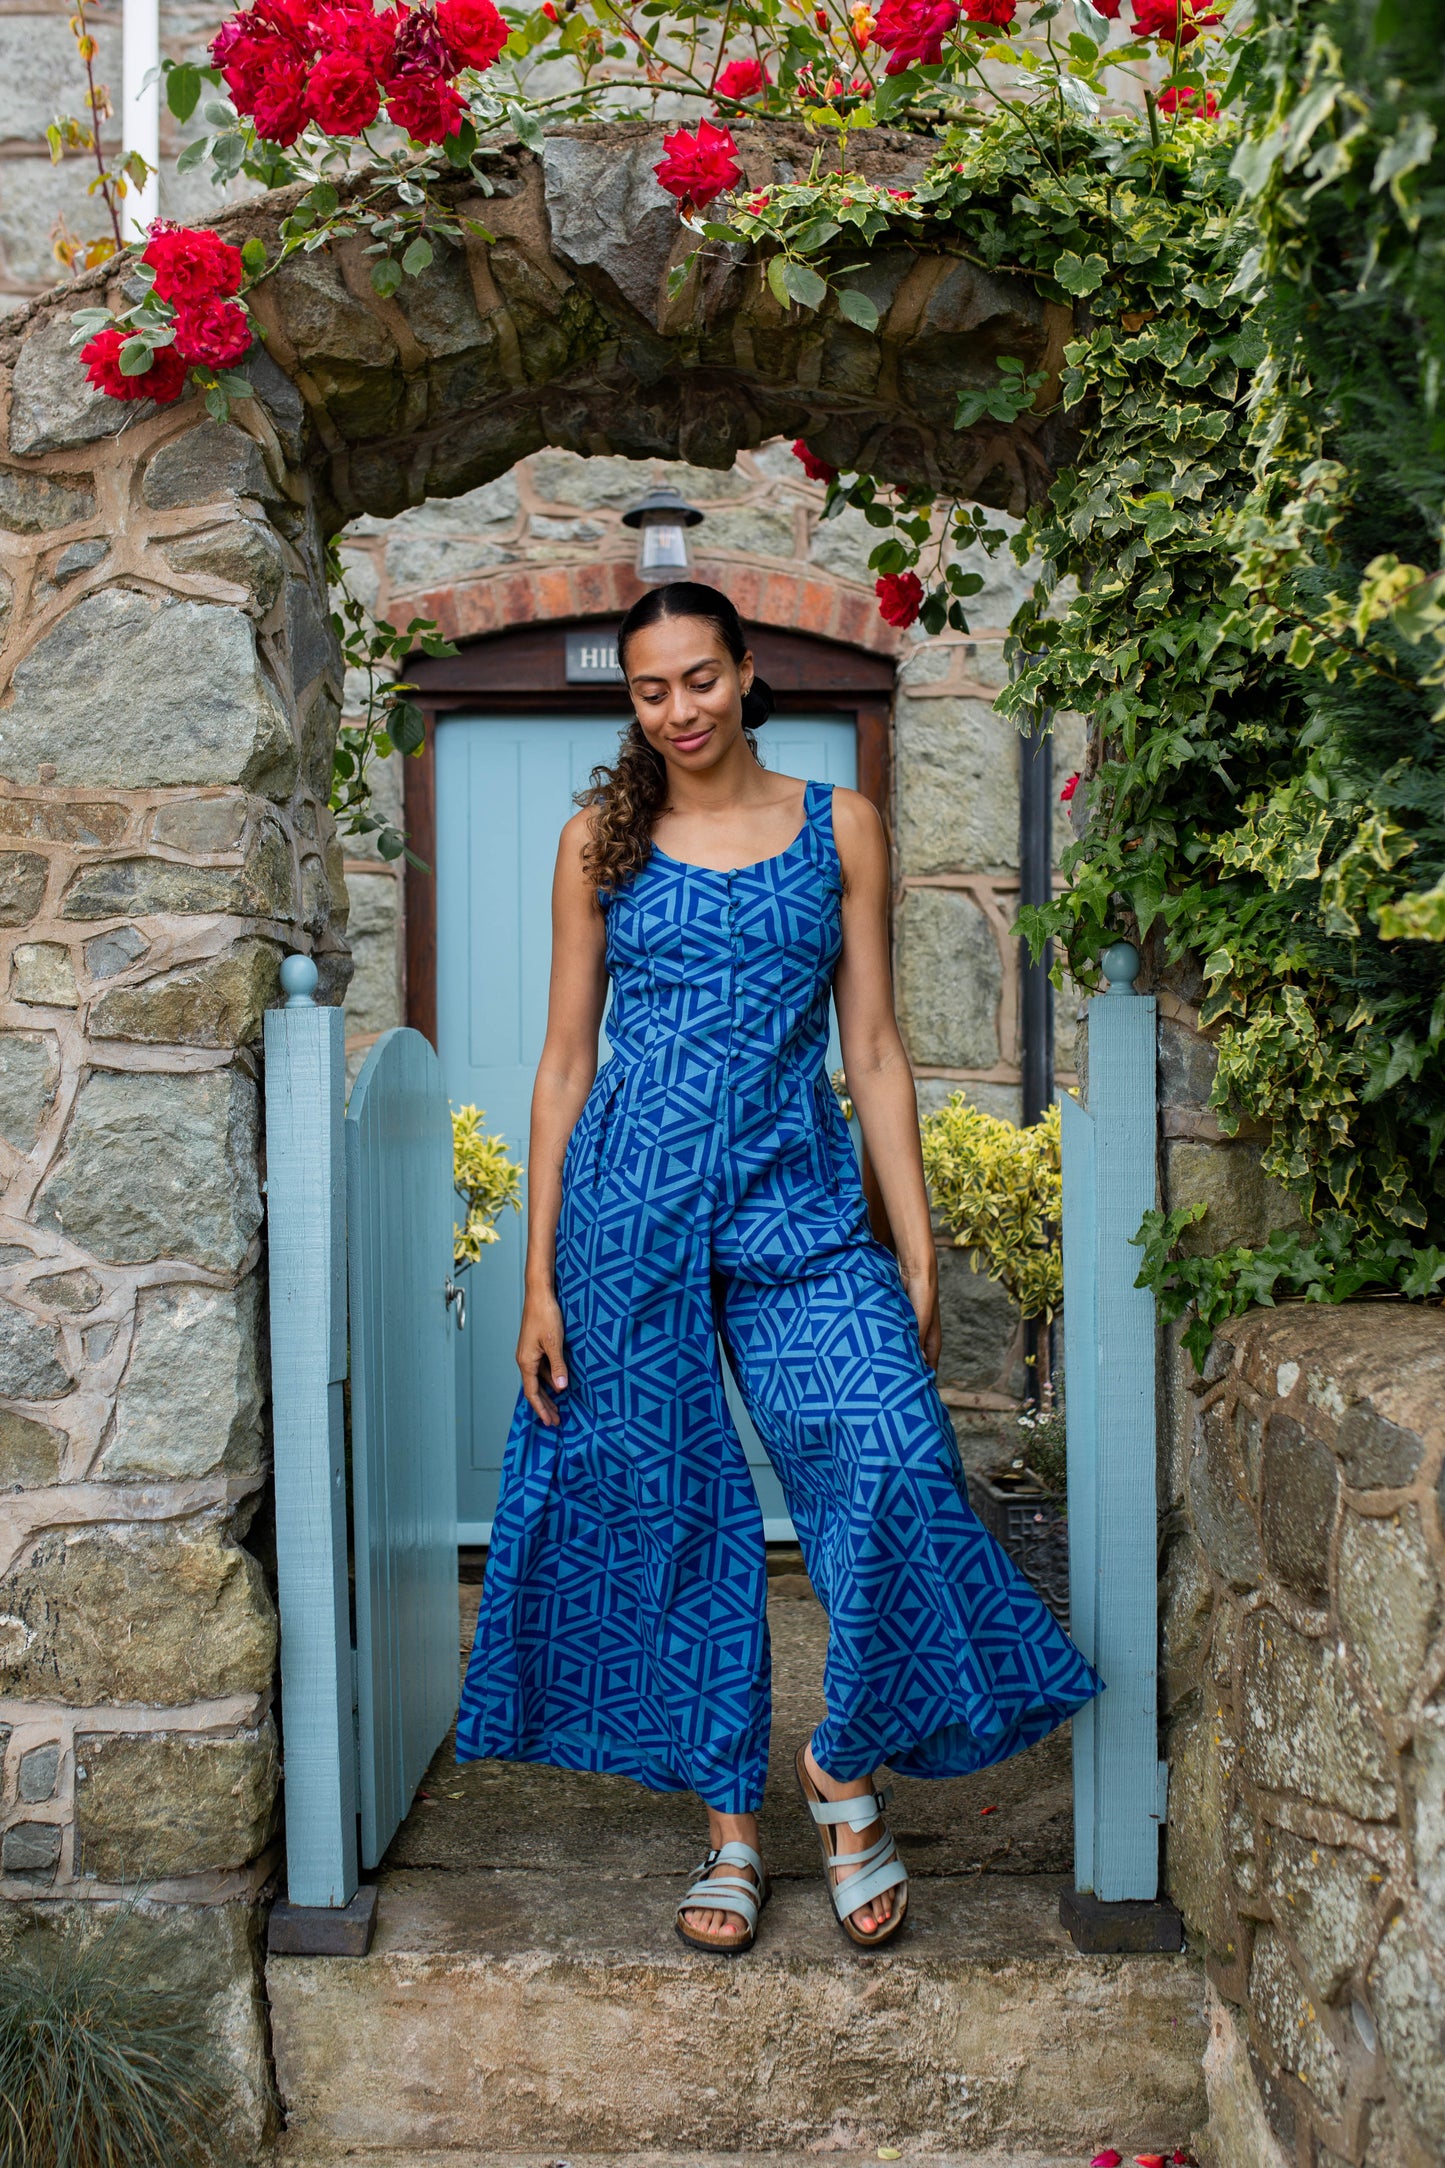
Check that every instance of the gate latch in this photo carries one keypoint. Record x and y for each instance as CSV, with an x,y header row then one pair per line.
x,y
458,1295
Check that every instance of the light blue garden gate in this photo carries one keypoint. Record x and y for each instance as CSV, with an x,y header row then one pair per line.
x,y
1110,1369
360,1216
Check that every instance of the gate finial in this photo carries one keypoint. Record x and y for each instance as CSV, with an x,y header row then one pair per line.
x,y
299,977
1120,962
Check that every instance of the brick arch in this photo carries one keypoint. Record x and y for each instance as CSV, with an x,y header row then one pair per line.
x,y
813,601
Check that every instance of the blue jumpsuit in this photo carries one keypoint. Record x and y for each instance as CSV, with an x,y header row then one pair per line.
x,y
710,1187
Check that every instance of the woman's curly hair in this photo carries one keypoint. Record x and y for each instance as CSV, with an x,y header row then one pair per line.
x,y
627,797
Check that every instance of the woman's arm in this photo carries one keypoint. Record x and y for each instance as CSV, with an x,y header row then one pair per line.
x,y
575,999
880,1081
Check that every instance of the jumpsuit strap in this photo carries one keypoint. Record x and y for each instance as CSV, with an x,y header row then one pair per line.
x,y
818,819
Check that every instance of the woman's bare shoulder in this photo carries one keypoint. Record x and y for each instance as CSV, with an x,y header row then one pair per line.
x,y
572,878
856,821
575,836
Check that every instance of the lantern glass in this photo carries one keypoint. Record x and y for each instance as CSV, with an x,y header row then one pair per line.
x,y
662,550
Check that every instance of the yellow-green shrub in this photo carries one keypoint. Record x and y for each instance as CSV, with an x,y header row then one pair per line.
x,y
998,1190
487,1178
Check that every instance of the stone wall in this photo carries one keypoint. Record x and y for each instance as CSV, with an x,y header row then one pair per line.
x,y
545,539
172,691
1304,1685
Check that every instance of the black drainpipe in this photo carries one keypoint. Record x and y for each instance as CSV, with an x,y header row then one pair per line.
x,y
1036,996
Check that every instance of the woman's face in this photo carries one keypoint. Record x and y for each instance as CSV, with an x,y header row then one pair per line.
x,y
687,690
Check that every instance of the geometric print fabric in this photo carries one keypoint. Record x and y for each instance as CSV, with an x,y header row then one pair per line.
x,y
710,1189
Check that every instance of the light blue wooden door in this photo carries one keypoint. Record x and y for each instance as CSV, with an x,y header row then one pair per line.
x,y
399,1205
504,788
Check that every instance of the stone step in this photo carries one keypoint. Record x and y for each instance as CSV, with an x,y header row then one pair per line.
x,y
554,2014
292,2155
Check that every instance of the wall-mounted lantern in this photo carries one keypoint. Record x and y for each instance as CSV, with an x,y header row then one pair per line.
x,y
662,519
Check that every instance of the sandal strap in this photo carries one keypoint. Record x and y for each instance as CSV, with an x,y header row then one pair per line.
x,y
871,1856
726,1893
857,1813
735,1854
858,1890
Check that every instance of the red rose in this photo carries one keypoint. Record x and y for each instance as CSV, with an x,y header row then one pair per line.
x,y
425,104
742,79
420,47
1170,18
279,106
1176,100
361,33
252,46
214,333
816,469
242,57
900,597
191,263
1107,7
698,168
1001,12
912,32
475,33
1069,788
342,94
163,381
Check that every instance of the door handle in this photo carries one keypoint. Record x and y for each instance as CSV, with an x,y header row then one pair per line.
x,y
458,1295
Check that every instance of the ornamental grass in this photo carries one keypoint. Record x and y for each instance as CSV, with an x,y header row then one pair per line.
x,y
96,2070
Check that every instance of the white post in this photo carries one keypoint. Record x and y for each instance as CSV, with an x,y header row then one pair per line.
x,y
141,109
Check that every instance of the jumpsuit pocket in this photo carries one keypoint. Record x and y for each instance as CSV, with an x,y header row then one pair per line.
x,y
588,1140
605,1121
825,1165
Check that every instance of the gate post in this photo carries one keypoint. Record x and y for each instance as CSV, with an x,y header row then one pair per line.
x,y
306,1243
1109,1184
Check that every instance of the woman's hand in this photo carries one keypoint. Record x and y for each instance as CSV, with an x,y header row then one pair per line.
x,y
539,1354
922,1291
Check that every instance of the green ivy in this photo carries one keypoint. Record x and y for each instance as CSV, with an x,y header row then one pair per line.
x,y
1251,533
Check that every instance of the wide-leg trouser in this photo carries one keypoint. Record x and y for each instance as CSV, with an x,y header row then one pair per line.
x,y
623,1624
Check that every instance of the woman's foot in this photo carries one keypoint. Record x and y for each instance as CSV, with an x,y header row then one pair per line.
x,y
726,1829
878,1910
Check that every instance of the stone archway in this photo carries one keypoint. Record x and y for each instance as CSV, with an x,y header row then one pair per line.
x,y
171,694
560,332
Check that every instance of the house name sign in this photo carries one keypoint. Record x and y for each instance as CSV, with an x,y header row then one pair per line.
x,y
592,659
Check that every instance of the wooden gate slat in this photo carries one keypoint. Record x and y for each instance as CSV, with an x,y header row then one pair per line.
x,y
400,1214
306,1193
1109,1184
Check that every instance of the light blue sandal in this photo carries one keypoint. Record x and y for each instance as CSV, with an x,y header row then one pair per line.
x,y
876,1868
713,1892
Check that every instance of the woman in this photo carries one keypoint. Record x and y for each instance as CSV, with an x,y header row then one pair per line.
x,y
701,1185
